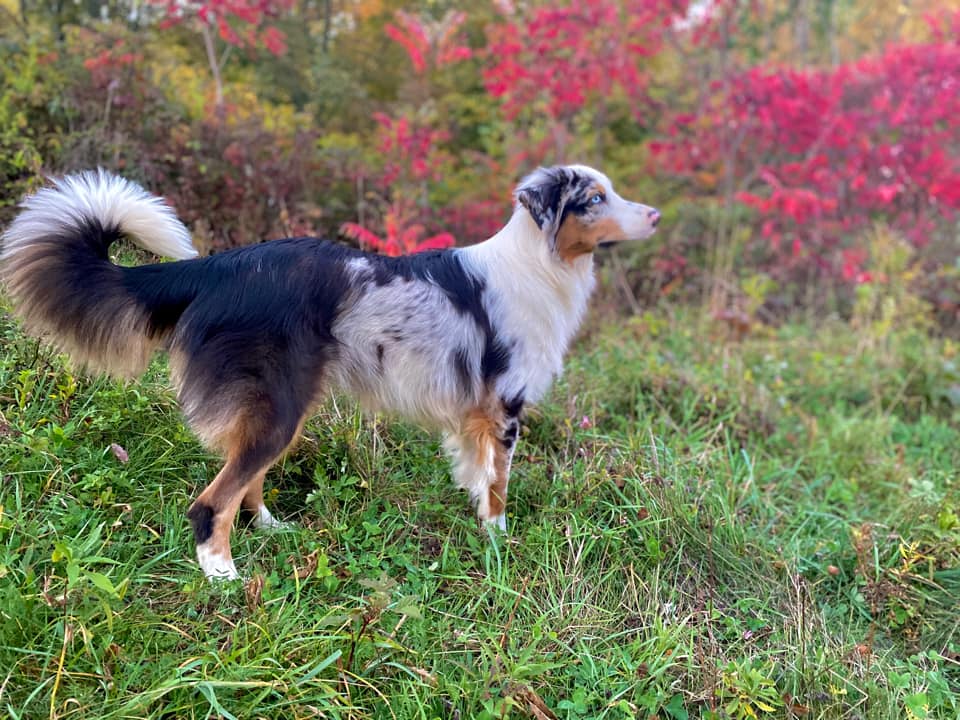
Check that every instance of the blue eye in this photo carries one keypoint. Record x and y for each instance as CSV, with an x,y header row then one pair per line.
x,y
596,199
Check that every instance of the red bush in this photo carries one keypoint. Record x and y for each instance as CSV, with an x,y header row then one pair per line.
x,y
821,155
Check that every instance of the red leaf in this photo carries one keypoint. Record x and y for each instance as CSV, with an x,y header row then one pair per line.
x,y
434,242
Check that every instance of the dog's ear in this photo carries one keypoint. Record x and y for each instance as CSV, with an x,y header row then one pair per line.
x,y
543,193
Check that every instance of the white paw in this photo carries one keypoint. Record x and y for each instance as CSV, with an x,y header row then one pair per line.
x,y
498,522
216,566
264,520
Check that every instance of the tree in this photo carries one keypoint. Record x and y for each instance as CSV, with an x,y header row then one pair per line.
x,y
238,24
556,61
408,145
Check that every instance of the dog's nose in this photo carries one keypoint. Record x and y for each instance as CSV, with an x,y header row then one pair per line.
x,y
654,216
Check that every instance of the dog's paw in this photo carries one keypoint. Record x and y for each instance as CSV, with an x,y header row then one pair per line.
x,y
264,520
497,523
216,566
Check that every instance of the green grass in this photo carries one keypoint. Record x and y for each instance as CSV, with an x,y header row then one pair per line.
x,y
699,528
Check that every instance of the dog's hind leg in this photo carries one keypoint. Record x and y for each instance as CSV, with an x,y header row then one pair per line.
x,y
255,440
247,395
211,516
253,503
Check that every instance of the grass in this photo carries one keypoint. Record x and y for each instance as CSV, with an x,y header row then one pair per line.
x,y
700,527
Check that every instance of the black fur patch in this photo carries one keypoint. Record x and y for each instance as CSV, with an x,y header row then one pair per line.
x,y
512,409
510,434
165,290
495,360
461,364
550,194
445,270
201,518
513,406
257,334
442,268
72,288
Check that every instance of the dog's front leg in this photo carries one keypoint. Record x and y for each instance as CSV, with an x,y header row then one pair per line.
x,y
481,453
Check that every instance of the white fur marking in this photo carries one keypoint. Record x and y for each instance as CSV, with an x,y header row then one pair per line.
x,y
216,566
266,521
475,478
113,201
540,309
499,522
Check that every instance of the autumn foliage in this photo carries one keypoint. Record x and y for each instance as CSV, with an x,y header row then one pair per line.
x,y
775,144
560,57
242,23
822,155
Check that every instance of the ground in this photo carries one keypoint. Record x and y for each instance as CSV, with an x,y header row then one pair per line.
x,y
700,525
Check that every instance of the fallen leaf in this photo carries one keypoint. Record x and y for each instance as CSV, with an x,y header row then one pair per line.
x,y
119,453
254,591
308,568
52,601
793,706
531,702
427,677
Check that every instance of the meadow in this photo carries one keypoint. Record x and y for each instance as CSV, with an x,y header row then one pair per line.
x,y
703,523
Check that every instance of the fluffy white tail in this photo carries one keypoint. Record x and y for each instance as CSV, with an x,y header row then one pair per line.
x,y
57,270
96,195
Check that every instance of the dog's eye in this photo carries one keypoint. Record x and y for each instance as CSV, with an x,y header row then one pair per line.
x,y
597,199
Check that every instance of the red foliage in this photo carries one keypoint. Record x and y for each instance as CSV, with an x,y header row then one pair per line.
x,y
945,25
111,58
400,237
412,158
565,55
115,76
239,22
410,151
475,219
820,155
238,185
429,42
107,65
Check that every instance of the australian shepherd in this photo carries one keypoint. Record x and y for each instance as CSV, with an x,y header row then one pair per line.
x,y
458,340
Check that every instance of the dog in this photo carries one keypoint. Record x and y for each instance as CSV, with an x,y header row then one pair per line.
x,y
458,340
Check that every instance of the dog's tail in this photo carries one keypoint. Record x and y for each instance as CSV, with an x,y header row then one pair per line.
x,y
57,271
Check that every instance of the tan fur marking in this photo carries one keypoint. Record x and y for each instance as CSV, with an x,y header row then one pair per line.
x,y
481,429
253,498
231,488
498,493
223,496
576,238
230,426
484,428
219,542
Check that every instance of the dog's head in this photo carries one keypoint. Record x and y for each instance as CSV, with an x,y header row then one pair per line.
x,y
578,210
